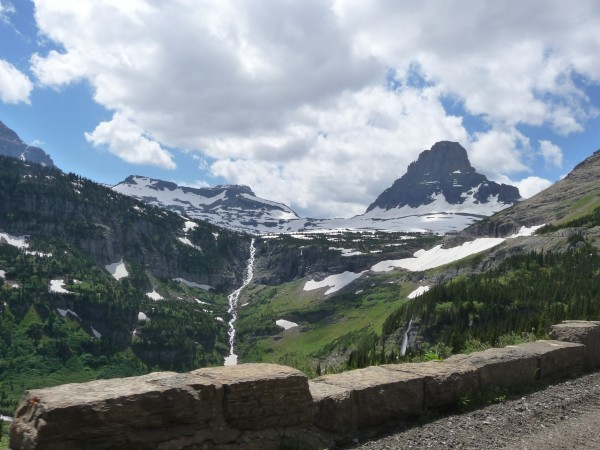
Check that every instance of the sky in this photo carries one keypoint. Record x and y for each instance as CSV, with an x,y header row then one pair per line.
x,y
317,104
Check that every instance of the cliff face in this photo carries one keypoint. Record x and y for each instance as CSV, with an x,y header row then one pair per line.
x,y
45,203
12,145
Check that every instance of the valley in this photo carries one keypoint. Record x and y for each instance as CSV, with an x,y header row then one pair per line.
x,y
99,282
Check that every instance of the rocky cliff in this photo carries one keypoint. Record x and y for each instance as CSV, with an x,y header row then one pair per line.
x,y
12,145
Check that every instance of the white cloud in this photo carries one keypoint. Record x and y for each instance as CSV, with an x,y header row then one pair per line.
x,y
290,97
15,86
551,153
530,186
6,9
126,140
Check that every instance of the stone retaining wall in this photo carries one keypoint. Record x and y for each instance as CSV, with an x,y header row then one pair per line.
x,y
266,406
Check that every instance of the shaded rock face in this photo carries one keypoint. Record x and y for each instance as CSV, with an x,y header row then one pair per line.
x,y
12,145
568,198
445,170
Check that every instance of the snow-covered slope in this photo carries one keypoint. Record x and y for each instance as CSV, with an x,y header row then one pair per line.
x,y
230,206
441,192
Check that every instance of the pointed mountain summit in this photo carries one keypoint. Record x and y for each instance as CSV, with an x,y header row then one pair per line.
x,y
444,179
12,145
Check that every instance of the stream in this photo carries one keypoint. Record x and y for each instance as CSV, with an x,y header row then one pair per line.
x,y
231,360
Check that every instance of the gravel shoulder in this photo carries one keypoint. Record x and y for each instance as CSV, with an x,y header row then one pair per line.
x,y
561,416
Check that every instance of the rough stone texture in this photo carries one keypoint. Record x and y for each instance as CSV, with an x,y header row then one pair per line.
x,y
508,368
582,332
377,394
445,383
336,411
556,359
261,396
160,410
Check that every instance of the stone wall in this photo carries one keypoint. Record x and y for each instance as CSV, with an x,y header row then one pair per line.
x,y
266,406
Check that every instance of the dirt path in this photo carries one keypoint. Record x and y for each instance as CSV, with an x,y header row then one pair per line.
x,y
562,416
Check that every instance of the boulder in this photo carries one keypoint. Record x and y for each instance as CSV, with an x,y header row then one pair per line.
x,y
444,383
368,397
582,332
261,396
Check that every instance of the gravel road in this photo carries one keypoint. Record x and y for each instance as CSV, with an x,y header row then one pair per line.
x,y
561,416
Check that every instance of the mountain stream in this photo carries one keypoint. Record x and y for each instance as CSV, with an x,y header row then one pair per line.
x,y
231,360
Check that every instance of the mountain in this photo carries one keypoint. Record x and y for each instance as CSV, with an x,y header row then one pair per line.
x,y
12,145
231,206
441,191
568,199
95,284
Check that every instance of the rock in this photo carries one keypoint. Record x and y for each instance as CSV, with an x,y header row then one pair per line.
x,y
556,359
260,396
445,383
508,368
377,395
166,410
582,332
336,412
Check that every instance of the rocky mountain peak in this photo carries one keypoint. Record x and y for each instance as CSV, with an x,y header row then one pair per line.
x,y
11,145
445,158
443,177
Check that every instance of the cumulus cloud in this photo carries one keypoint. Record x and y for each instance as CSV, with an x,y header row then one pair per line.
x,y
126,140
293,98
551,153
530,186
15,86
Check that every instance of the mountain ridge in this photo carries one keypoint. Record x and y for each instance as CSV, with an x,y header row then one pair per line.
x,y
12,145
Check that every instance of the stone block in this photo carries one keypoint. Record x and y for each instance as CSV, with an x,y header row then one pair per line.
x,y
378,395
505,368
581,332
444,384
261,396
135,413
556,359
336,411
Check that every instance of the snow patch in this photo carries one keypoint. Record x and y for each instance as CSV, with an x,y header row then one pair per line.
x,y
3,274
57,287
64,312
201,302
96,333
346,251
189,225
418,292
117,270
526,231
285,324
333,282
220,319
205,287
186,241
142,316
15,241
154,295
438,256
40,254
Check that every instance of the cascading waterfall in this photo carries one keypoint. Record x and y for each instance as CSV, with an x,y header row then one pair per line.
x,y
231,360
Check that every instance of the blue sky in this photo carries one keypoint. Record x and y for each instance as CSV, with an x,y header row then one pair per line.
x,y
317,104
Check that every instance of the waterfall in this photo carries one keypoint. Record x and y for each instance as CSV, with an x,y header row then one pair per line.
x,y
231,360
405,339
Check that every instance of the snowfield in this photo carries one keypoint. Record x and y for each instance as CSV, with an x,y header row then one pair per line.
x,y
438,256
333,282
117,270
